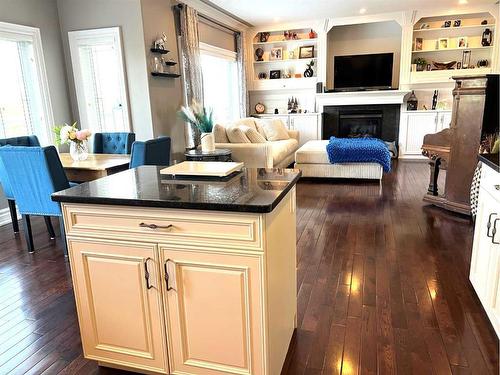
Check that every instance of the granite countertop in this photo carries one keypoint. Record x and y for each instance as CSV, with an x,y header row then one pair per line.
x,y
491,160
252,190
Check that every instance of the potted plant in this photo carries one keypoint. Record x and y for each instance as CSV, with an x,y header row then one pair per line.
x,y
76,138
202,120
421,64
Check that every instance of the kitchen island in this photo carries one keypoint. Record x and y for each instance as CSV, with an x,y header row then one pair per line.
x,y
181,276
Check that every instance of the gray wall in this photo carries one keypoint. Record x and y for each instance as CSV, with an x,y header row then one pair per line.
x,y
91,14
165,94
43,14
366,38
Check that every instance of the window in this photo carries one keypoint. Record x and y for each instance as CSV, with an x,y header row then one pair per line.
x,y
220,82
96,57
24,97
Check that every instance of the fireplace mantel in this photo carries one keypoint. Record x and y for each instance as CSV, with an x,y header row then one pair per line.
x,y
359,98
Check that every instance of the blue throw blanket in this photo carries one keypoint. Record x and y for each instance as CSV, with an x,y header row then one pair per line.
x,y
359,150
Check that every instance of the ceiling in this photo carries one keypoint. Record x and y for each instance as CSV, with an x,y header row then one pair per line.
x,y
265,12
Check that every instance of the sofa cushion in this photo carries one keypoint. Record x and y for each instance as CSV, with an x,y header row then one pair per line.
x,y
236,135
275,130
252,134
247,121
281,149
220,135
259,123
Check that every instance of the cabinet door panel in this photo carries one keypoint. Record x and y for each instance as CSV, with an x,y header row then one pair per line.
x,y
215,317
444,120
418,125
121,320
307,126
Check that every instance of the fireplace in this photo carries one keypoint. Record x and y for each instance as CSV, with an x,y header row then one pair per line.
x,y
357,121
360,125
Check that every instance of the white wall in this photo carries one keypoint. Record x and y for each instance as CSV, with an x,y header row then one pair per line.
x,y
127,14
378,37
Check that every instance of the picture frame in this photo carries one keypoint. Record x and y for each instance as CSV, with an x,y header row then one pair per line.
x,y
276,53
457,23
419,44
443,43
306,52
462,42
274,74
447,24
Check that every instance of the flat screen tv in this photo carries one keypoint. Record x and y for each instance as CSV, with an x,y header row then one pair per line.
x,y
363,72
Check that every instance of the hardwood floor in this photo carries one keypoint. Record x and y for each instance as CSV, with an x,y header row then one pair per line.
x,y
382,288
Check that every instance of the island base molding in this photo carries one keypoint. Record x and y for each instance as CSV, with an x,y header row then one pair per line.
x,y
199,292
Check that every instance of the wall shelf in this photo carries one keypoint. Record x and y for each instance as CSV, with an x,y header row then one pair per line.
x,y
284,60
452,49
160,51
165,75
466,27
290,41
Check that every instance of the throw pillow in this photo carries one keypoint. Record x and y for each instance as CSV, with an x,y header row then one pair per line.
x,y
275,130
236,135
259,123
220,135
252,134
246,121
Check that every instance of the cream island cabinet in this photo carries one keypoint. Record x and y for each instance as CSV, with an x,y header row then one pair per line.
x,y
184,277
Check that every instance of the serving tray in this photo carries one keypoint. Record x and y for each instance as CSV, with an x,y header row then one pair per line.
x,y
203,168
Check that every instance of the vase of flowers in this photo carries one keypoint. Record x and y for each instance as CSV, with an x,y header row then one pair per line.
x,y
201,121
76,138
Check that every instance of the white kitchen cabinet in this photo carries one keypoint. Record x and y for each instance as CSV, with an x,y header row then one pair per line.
x,y
415,125
485,261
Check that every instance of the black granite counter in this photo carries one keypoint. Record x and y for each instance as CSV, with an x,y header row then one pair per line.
x,y
491,160
252,190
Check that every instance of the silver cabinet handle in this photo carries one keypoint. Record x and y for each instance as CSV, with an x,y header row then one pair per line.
x,y
493,232
167,277
154,226
488,226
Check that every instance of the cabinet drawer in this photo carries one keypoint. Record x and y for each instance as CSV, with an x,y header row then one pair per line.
x,y
180,226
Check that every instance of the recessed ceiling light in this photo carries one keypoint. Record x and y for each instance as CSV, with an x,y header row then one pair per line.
x,y
462,2
362,10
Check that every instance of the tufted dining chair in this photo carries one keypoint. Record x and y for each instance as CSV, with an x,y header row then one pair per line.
x,y
113,143
152,152
34,173
27,141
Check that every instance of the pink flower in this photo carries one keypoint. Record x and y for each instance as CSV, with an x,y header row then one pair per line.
x,y
83,135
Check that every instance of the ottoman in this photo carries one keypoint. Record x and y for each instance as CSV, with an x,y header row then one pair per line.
x,y
312,160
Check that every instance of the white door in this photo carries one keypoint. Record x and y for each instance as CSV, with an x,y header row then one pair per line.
x,y
417,126
306,125
99,75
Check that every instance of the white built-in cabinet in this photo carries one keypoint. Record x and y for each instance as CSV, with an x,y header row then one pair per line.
x,y
306,124
415,125
485,261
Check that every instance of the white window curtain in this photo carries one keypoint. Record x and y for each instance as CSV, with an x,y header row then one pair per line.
x,y
99,75
25,107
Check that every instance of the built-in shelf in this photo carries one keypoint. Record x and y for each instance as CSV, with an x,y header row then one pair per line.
x,y
290,41
453,49
166,75
442,76
170,63
284,60
466,27
160,51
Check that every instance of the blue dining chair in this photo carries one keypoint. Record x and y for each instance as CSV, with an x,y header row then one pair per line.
x,y
34,174
113,143
28,141
152,152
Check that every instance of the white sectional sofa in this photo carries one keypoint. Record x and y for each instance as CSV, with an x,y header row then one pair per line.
x,y
268,154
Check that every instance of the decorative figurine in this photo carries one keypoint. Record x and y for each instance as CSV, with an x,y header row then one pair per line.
x,y
259,52
264,37
312,34
161,43
309,72
412,102
484,22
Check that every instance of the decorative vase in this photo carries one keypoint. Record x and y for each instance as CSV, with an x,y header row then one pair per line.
x,y
207,142
79,150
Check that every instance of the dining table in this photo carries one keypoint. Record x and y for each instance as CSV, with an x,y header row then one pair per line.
x,y
94,167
